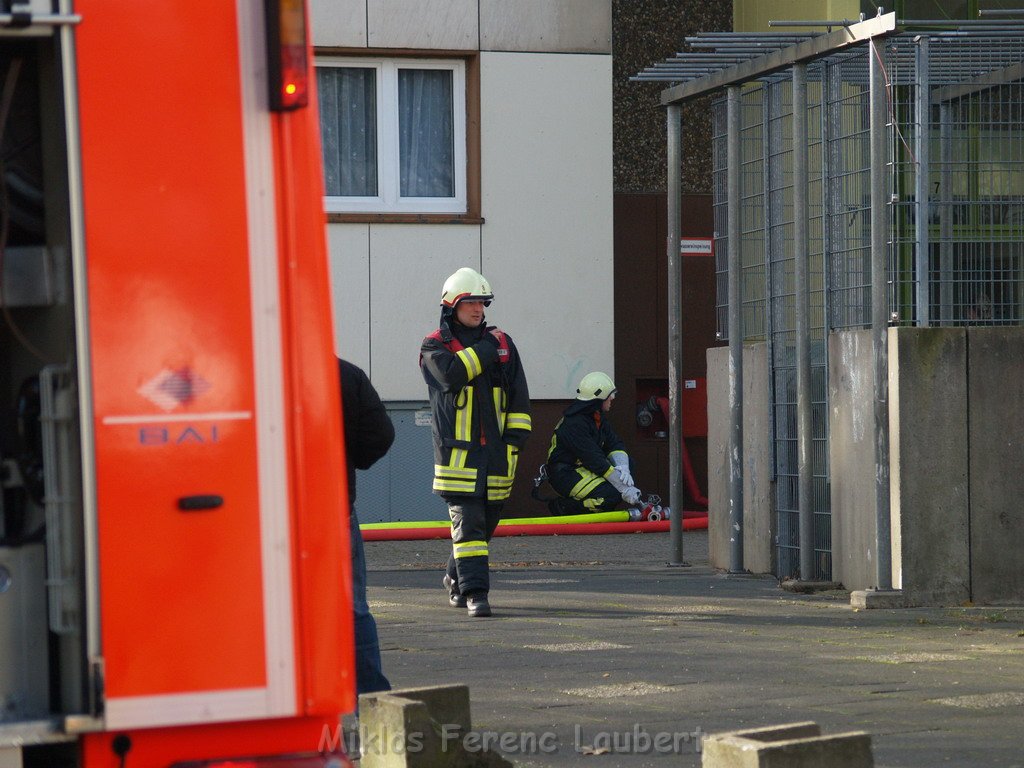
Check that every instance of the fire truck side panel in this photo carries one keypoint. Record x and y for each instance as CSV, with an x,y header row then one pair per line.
x,y
172,348
325,630
215,389
161,747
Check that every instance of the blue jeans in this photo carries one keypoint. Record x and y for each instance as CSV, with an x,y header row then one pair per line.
x,y
369,670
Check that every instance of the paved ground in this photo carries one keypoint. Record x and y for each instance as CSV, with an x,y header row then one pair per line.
x,y
599,654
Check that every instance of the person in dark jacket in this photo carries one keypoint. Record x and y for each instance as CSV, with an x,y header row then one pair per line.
x,y
481,418
587,463
368,436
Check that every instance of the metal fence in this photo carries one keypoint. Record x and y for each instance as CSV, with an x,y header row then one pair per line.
x,y
955,191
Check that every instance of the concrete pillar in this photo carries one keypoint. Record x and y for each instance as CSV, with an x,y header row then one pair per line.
x,y
758,490
928,459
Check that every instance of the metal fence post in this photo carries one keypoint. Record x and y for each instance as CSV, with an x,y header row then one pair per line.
x,y
675,335
735,333
880,313
921,145
805,467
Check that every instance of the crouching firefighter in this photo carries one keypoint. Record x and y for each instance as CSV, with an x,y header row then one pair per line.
x,y
481,418
587,463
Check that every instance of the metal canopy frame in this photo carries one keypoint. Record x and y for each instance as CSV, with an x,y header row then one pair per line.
x,y
783,50
722,63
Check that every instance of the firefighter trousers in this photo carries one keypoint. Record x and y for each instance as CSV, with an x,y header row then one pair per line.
x,y
581,491
473,524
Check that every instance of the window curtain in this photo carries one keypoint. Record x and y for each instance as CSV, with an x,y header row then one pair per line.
x,y
426,133
348,127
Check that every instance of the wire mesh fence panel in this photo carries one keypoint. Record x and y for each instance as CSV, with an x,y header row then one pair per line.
x,y
956,112
752,217
849,186
783,324
720,212
976,241
821,504
778,108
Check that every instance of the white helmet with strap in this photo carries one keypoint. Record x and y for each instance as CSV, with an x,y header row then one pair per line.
x,y
595,386
465,283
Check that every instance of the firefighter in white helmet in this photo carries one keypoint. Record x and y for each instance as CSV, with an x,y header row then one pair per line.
x,y
481,418
587,463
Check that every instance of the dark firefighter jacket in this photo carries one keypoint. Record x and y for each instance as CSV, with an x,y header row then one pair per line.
x,y
368,428
583,437
481,412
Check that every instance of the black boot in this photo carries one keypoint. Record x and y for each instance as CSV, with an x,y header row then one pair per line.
x,y
477,605
559,506
455,599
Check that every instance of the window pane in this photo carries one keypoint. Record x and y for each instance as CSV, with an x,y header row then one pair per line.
x,y
426,133
348,126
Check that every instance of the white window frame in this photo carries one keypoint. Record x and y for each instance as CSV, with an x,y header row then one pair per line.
x,y
388,199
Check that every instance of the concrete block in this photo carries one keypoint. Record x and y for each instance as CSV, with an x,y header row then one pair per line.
x,y
758,494
795,745
852,458
996,397
928,454
420,728
878,598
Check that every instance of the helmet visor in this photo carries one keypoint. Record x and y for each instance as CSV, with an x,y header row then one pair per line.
x,y
485,299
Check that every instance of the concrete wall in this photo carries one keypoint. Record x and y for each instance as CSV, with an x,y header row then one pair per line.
x,y
928,450
852,458
758,497
996,400
956,417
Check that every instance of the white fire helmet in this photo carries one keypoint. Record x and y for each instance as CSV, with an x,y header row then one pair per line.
x,y
466,283
595,386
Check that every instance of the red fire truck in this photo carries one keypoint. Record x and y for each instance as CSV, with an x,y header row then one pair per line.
x,y
174,565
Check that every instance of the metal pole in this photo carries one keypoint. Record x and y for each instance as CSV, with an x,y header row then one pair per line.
x,y
880,315
805,466
90,533
921,205
675,335
735,333
946,214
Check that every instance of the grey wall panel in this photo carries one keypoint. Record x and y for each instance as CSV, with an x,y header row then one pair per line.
x,y
852,459
425,24
758,509
408,265
339,23
996,424
348,248
398,487
547,26
546,193
928,464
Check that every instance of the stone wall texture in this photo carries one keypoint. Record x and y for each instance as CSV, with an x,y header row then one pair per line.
x,y
643,32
